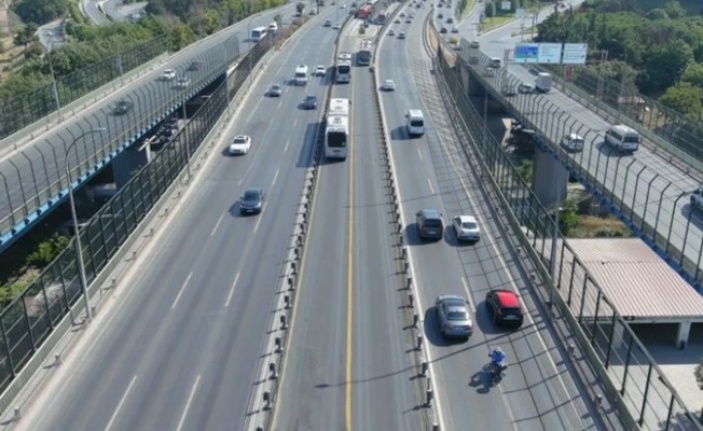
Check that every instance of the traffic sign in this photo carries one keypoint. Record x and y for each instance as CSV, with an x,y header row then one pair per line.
x,y
549,53
575,53
526,53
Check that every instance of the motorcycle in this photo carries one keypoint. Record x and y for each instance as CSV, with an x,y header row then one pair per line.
x,y
497,369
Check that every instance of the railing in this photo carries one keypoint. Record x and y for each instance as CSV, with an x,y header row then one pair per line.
x,y
636,386
26,323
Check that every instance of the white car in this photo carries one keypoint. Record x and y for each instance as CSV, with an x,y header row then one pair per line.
x,y
525,88
388,85
336,26
183,83
466,228
391,32
241,144
321,71
169,75
276,90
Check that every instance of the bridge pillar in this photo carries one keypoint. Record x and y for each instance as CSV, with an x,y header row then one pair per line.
x,y
475,87
129,162
549,179
682,333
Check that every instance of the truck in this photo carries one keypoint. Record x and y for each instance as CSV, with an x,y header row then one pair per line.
x,y
364,11
543,82
301,75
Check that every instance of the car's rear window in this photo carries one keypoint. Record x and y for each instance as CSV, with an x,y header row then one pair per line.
x,y
469,225
240,140
251,196
433,223
511,311
457,315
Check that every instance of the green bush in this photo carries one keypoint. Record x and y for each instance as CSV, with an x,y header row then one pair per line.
x,y
47,251
9,292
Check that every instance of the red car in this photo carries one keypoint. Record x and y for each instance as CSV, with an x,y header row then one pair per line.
x,y
504,306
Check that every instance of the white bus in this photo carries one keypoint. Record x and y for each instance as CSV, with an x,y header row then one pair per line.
x,y
258,33
337,131
343,71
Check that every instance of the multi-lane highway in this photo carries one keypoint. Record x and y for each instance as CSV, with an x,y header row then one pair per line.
x,y
349,365
650,186
181,347
537,392
32,173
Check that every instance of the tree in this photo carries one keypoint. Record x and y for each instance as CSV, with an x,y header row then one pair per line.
x,y
674,9
693,75
665,65
684,98
300,7
40,11
525,171
26,36
569,217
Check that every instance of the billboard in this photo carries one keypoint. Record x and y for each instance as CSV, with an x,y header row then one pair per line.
x,y
551,53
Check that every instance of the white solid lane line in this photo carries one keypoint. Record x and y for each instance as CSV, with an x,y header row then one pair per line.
x,y
188,403
180,292
214,229
429,183
120,404
231,290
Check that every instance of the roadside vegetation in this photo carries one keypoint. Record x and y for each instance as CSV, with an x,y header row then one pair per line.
x,y
658,49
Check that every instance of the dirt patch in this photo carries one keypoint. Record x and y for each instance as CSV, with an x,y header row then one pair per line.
x,y
600,227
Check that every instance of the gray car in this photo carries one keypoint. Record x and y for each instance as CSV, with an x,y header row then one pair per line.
x,y
430,224
253,201
453,317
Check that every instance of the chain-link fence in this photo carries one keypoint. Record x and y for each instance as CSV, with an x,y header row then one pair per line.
x,y
28,320
619,102
648,397
21,111
655,203
35,179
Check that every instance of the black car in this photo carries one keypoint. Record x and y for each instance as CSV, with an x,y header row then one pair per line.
x,y
194,66
430,224
253,201
310,102
122,107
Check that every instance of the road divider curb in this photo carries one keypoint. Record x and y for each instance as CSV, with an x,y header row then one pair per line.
x,y
262,400
410,301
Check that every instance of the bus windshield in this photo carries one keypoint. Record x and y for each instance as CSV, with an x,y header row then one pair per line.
x,y
336,139
343,68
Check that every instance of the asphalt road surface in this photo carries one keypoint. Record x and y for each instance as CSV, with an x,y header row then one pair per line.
x,y
349,364
37,166
118,11
93,12
181,349
664,204
537,392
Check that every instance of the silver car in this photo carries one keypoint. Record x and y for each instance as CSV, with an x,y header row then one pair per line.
x,y
453,317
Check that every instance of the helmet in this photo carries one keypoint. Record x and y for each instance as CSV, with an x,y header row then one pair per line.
x,y
498,349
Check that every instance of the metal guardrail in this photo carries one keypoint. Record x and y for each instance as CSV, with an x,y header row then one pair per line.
x,y
644,396
28,321
30,197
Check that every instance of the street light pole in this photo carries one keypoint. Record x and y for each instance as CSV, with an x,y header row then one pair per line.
x,y
553,257
76,230
53,79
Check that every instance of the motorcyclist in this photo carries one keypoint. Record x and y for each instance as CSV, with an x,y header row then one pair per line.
x,y
497,357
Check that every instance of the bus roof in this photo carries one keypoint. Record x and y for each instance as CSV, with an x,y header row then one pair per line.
x,y
344,63
338,123
259,29
339,107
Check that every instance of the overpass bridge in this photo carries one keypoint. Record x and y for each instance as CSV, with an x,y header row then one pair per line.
x,y
649,191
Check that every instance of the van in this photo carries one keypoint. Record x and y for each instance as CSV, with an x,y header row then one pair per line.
x,y
415,122
273,27
622,138
495,63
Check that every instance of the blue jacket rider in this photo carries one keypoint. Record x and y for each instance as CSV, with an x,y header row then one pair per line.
x,y
497,356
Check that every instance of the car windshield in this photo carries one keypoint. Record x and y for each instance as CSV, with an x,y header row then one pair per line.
x,y
251,196
389,82
457,315
240,140
416,123
469,225
276,87
432,223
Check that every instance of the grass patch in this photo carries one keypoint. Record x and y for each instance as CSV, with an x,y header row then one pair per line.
x,y
491,23
600,227
469,6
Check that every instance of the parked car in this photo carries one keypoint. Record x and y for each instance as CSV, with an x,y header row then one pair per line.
x,y
504,307
453,317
